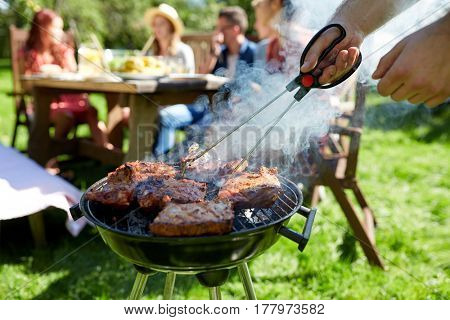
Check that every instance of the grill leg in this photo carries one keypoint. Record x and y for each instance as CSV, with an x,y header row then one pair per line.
x,y
139,286
168,287
214,293
244,274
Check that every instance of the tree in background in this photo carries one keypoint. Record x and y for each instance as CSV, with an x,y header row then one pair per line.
x,y
118,23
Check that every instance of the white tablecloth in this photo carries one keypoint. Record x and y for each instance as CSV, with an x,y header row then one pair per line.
x,y
26,188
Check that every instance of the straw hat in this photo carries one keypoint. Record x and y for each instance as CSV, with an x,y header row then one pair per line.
x,y
167,12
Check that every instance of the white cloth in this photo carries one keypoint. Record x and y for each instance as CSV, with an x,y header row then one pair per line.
x,y
26,188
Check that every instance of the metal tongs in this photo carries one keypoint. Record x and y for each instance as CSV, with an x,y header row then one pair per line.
x,y
304,81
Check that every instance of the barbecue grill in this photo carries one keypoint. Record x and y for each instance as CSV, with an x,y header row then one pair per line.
x,y
254,230
210,258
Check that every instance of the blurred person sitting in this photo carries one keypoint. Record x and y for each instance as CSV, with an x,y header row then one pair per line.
x,y
44,52
231,54
229,46
167,28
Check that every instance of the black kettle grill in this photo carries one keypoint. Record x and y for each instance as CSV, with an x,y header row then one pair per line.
x,y
210,258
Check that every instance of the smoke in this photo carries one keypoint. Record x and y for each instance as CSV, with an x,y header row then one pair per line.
x,y
287,144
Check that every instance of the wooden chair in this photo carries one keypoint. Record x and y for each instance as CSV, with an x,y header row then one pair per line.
x,y
336,162
20,96
201,45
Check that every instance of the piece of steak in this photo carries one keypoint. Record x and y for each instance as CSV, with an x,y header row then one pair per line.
x,y
156,192
252,190
133,172
194,219
118,195
213,170
120,184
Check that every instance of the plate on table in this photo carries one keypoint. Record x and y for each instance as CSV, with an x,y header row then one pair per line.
x,y
68,76
137,76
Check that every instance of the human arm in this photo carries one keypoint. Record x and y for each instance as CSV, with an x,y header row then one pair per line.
x,y
64,56
417,69
359,18
209,64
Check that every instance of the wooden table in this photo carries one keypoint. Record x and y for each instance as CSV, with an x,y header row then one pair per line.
x,y
142,96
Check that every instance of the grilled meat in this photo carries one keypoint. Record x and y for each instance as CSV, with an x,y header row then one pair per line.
x,y
118,195
194,219
212,171
252,190
133,172
156,192
120,184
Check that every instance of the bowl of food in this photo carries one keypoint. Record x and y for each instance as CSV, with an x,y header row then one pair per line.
x,y
141,68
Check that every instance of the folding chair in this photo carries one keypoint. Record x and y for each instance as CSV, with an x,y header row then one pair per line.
x,y
336,162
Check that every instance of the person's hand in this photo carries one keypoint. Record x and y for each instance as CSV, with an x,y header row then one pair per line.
x,y
216,42
417,69
215,50
340,59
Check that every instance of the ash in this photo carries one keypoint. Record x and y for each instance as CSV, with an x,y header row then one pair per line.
x,y
138,222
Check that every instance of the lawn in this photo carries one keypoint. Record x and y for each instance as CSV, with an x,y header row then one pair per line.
x,y
403,170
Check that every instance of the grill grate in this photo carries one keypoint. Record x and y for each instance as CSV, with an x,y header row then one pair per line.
x,y
135,222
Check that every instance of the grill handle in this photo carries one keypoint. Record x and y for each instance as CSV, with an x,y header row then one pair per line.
x,y
300,238
76,212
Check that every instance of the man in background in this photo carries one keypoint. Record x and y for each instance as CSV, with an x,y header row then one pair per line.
x,y
229,46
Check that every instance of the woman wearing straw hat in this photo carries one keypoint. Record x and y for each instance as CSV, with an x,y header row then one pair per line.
x,y
167,28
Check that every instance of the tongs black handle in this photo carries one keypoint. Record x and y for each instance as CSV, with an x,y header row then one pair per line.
x,y
300,238
309,80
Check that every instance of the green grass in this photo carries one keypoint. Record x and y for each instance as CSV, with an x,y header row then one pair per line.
x,y
403,171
